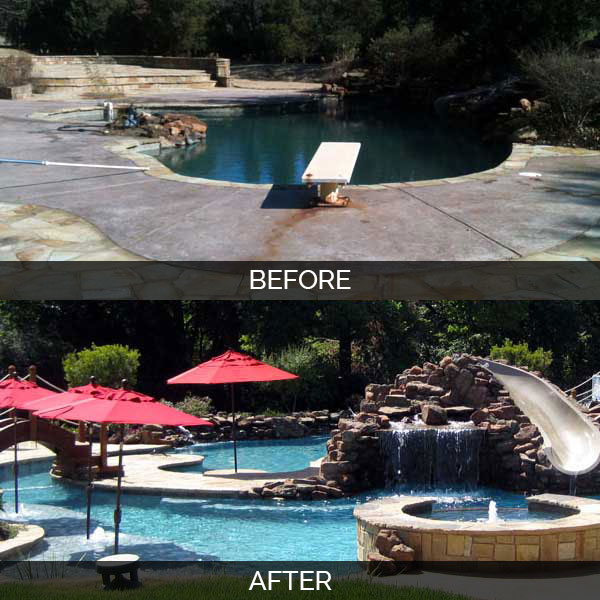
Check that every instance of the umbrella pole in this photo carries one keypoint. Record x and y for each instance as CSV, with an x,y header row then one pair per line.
x,y
90,485
118,506
16,461
233,432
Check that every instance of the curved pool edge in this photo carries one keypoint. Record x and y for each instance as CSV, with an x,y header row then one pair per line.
x,y
573,537
153,475
133,149
18,548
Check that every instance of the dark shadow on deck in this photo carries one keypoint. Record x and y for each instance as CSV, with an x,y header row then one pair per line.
x,y
288,197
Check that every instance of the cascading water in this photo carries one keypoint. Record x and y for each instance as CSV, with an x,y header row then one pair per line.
x,y
426,457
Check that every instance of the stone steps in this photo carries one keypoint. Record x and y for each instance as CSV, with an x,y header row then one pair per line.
x,y
103,80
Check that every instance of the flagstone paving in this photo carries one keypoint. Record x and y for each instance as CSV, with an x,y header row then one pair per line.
x,y
149,474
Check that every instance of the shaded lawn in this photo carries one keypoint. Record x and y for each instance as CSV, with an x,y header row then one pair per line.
x,y
215,588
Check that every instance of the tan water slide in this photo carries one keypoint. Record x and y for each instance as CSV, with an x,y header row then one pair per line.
x,y
571,441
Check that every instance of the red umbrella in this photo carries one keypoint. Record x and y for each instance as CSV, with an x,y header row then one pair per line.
x,y
14,393
99,410
130,395
54,401
232,367
124,412
84,393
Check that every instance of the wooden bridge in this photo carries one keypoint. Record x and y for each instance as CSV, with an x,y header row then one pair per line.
x,y
72,457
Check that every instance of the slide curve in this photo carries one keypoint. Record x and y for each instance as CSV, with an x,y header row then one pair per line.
x,y
571,441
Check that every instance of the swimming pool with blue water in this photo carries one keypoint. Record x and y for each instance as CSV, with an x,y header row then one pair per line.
x,y
209,529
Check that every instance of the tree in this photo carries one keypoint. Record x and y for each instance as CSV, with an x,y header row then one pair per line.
x,y
177,27
109,364
520,355
494,31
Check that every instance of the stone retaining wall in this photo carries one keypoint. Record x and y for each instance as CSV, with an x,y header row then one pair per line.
x,y
248,427
219,68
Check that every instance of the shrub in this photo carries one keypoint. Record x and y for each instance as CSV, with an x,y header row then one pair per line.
x,y
404,54
316,384
15,70
570,84
196,406
521,355
342,45
109,364
7,531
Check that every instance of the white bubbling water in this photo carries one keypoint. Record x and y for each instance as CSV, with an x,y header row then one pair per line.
x,y
493,513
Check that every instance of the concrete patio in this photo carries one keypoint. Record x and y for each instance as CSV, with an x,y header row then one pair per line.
x,y
57,214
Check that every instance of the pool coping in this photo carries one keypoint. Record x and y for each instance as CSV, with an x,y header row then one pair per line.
x,y
132,149
27,537
404,512
573,537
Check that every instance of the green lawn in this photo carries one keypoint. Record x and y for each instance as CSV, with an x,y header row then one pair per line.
x,y
215,588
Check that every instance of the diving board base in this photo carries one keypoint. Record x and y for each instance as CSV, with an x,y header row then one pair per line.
x,y
329,195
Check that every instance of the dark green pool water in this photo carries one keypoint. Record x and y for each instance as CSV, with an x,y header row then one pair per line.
x,y
275,145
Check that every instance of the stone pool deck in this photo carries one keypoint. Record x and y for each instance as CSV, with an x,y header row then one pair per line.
x,y
151,475
147,472
575,537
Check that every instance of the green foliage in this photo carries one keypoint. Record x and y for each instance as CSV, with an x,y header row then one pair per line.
x,y
350,343
494,31
177,27
488,32
570,83
405,54
109,364
520,355
314,389
7,531
197,406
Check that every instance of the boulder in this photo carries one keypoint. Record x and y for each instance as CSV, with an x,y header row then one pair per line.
x,y
526,433
395,413
415,389
397,400
463,382
402,553
504,412
381,566
386,539
434,415
459,413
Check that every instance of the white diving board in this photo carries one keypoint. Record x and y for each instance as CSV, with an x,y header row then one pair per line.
x,y
331,168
